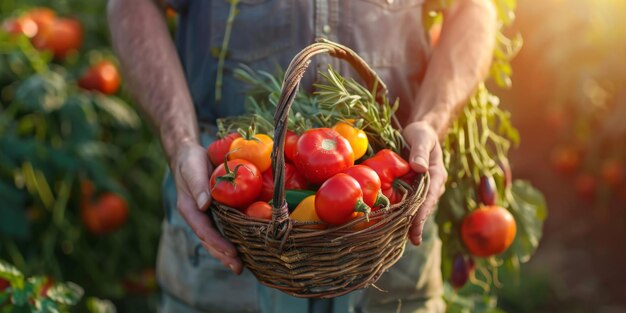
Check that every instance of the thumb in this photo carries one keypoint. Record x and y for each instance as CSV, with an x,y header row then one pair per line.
x,y
422,139
195,173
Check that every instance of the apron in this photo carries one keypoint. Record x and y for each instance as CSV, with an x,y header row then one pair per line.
x,y
266,34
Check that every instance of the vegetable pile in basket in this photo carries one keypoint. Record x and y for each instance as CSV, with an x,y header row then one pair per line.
x,y
341,152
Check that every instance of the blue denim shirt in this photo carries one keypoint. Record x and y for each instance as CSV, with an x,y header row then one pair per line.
x,y
266,35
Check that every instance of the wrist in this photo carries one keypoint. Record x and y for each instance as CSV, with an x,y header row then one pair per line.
x,y
174,142
437,121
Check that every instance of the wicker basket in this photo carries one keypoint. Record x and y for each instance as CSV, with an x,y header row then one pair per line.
x,y
312,263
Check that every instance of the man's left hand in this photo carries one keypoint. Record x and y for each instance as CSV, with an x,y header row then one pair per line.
x,y
426,156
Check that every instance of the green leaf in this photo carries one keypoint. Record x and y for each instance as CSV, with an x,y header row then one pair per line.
x,y
42,92
66,293
528,206
9,272
47,306
20,295
95,305
77,125
118,110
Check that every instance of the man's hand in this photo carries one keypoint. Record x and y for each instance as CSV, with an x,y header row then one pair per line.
x,y
191,169
426,155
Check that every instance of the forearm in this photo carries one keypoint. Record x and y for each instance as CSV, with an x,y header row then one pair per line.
x,y
458,63
152,70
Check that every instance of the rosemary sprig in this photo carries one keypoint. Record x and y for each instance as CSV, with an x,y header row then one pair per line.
x,y
347,99
336,98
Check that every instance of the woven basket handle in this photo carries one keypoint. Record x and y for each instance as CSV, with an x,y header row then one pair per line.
x,y
290,86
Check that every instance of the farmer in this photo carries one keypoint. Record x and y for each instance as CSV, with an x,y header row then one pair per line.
x,y
173,83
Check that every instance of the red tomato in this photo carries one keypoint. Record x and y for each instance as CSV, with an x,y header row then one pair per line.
x,y
61,37
217,149
487,192
339,199
48,283
260,209
488,231
586,185
322,153
613,172
107,213
370,184
236,185
291,141
389,166
566,160
102,77
293,181
4,284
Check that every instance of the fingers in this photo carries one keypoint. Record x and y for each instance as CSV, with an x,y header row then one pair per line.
x,y
195,170
422,139
438,177
210,238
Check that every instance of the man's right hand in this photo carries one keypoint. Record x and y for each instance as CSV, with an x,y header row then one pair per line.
x,y
191,169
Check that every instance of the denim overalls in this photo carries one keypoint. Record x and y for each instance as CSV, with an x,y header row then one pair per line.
x,y
266,34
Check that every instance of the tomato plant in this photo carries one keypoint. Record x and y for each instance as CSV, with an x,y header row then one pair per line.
x,y
339,199
488,231
102,77
236,183
322,153
259,209
218,149
355,136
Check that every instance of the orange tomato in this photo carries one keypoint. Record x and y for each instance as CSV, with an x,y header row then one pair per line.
x,y
43,17
61,37
356,137
103,77
305,212
256,150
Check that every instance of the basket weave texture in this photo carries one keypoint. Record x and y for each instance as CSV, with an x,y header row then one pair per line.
x,y
313,263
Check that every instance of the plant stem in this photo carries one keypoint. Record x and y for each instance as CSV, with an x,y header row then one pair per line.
x,y
222,56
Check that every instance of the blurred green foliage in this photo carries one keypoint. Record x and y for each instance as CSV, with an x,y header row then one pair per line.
x,y
53,136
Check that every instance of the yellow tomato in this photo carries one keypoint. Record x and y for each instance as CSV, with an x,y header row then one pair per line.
x,y
257,150
356,137
305,212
